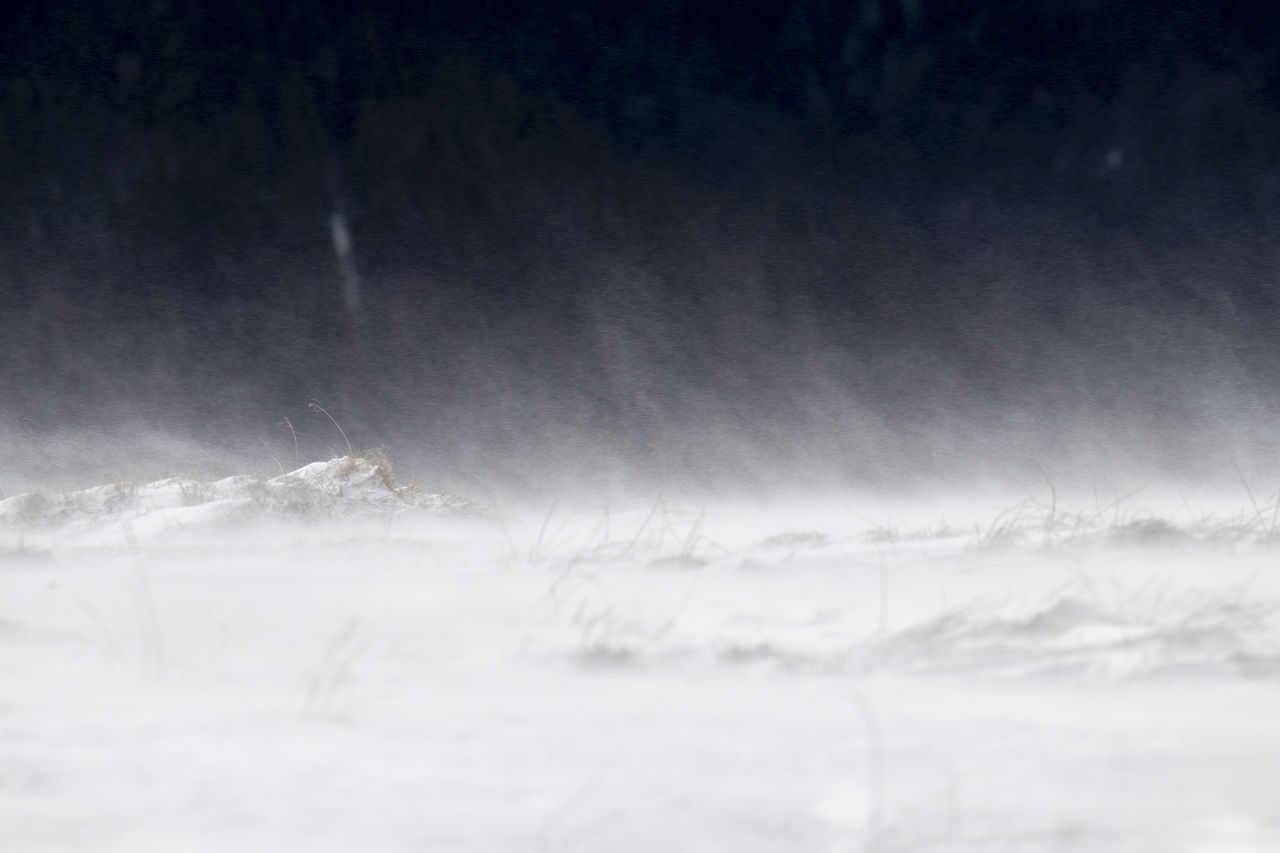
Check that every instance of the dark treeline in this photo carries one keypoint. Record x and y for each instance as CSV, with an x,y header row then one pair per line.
x,y
707,232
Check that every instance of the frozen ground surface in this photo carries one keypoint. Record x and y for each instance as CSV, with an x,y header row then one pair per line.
x,y
322,662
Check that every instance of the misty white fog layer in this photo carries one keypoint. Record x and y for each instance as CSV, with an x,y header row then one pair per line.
x,y
331,658
702,365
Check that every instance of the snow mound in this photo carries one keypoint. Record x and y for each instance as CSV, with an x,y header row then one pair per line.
x,y
1070,637
1074,635
346,486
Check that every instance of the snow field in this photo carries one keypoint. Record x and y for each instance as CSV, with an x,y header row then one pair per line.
x,y
326,662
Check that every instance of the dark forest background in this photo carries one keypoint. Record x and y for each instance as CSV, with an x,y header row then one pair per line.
x,y
653,244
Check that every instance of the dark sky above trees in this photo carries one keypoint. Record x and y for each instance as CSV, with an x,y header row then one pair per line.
x,y
711,232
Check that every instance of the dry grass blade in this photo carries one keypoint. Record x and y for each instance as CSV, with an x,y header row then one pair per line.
x,y
315,406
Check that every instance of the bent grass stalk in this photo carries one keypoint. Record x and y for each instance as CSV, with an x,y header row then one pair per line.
x,y
315,406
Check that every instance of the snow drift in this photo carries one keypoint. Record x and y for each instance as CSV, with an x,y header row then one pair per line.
x,y
345,487
329,660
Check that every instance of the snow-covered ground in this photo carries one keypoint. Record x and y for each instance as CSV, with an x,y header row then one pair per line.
x,y
326,662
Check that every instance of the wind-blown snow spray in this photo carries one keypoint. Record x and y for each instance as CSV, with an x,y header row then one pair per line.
x,y
341,236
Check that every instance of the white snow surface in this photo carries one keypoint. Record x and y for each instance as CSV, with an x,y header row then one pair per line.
x,y
327,661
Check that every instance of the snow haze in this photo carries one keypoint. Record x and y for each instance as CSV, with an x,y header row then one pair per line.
x,y
330,659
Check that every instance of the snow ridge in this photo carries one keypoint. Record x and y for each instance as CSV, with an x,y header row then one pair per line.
x,y
346,486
